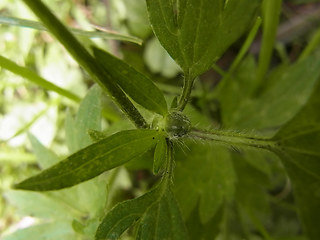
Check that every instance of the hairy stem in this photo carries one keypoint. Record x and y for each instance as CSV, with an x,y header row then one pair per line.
x,y
233,138
186,92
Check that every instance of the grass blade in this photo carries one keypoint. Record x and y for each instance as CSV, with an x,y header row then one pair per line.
x,y
86,60
89,34
33,77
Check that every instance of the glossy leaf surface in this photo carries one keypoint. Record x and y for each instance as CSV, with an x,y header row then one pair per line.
x,y
92,160
197,32
140,88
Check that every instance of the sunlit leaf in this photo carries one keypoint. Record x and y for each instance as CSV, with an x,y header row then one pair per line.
x,y
12,21
50,231
192,31
33,77
45,157
92,160
140,88
86,60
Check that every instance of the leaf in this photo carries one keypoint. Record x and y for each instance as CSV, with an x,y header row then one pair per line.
x,y
162,220
12,21
209,230
160,154
286,91
137,18
298,146
41,206
33,77
45,157
86,60
61,230
158,213
206,175
158,60
88,117
92,160
140,88
196,33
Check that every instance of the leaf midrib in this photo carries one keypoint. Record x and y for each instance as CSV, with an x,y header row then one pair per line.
x,y
85,164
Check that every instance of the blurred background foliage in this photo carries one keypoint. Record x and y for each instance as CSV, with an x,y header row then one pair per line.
x,y
33,120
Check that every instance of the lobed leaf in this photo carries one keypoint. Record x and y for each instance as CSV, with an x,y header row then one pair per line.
x,y
157,214
45,157
162,220
123,215
206,176
140,88
196,33
92,160
286,91
298,146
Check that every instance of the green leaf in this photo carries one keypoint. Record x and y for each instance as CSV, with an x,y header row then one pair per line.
x,y
158,60
41,205
285,92
196,33
162,220
45,157
61,230
158,213
198,230
96,135
207,175
88,117
89,34
92,160
298,146
160,154
33,77
86,60
140,88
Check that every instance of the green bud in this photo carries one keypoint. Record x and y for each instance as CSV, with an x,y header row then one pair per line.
x,y
177,124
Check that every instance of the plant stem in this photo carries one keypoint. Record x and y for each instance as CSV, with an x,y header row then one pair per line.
x,y
271,10
186,91
86,60
233,138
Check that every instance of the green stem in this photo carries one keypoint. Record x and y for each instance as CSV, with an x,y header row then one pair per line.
x,y
186,92
270,20
86,60
233,138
